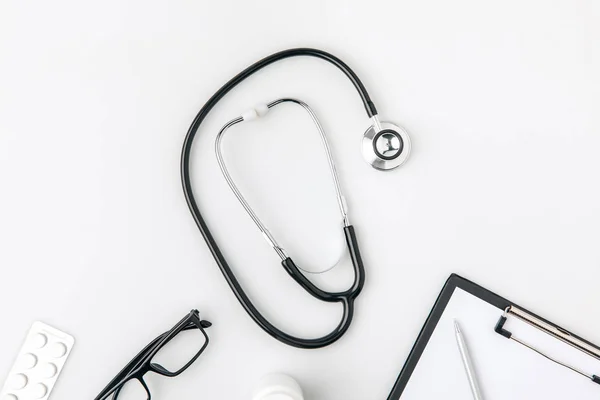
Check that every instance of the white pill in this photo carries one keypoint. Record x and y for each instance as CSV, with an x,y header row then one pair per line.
x,y
10,397
17,382
58,350
39,340
48,370
38,391
27,361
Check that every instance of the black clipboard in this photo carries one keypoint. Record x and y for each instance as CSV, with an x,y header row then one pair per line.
x,y
503,305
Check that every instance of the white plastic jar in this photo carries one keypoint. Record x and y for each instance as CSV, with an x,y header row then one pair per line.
x,y
278,387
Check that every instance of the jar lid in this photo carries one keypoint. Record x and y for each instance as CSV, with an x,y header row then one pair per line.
x,y
278,387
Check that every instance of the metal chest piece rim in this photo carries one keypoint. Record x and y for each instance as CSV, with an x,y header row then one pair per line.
x,y
385,145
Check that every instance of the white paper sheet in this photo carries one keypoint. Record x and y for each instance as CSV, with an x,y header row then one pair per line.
x,y
505,369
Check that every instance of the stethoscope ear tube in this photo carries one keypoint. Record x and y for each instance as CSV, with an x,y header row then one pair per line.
x,y
254,114
347,297
333,297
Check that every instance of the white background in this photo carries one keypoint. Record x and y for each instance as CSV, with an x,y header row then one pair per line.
x,y
501,99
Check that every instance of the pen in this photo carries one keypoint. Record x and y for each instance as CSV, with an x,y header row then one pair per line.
x,y
467,362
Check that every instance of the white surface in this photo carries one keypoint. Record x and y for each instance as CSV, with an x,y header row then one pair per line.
x,y
502,103
38,364
505,368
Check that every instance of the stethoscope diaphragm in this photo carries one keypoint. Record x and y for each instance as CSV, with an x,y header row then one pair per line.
x,y
386,146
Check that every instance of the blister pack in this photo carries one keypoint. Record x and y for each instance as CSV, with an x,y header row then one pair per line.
x,y
38,365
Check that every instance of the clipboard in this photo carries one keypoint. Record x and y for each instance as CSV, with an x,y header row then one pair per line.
x,y
517,354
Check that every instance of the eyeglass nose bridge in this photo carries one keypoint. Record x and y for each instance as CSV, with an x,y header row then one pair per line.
x,y
160,369
142,382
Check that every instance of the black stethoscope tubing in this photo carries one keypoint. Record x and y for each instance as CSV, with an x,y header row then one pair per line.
x,y
346,297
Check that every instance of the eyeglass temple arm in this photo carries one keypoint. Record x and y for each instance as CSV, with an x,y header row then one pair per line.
x,y
114,384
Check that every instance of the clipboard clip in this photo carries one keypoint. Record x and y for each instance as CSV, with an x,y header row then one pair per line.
x,y
552,330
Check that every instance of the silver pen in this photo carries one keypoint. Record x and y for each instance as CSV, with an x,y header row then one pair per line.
x,y
467,362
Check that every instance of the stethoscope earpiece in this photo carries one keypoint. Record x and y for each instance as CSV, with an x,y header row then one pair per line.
x,y
385,145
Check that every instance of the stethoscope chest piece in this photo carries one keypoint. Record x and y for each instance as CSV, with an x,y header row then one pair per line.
x,y
386,146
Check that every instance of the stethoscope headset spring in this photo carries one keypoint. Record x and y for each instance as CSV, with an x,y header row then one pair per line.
x,y
385,146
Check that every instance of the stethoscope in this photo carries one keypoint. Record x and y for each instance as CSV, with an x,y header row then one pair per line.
x,y
385,146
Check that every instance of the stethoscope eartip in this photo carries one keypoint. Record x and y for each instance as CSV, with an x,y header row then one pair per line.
x,y
386,146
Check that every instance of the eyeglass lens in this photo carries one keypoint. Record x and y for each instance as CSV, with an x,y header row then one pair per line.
x,y
176,354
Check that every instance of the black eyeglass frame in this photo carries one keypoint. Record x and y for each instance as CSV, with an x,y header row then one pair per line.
x,y
142,363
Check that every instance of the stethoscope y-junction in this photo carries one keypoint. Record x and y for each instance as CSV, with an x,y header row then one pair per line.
x,y
385,146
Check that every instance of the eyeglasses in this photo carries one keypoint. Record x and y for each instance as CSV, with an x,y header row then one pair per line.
x,y
168,355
